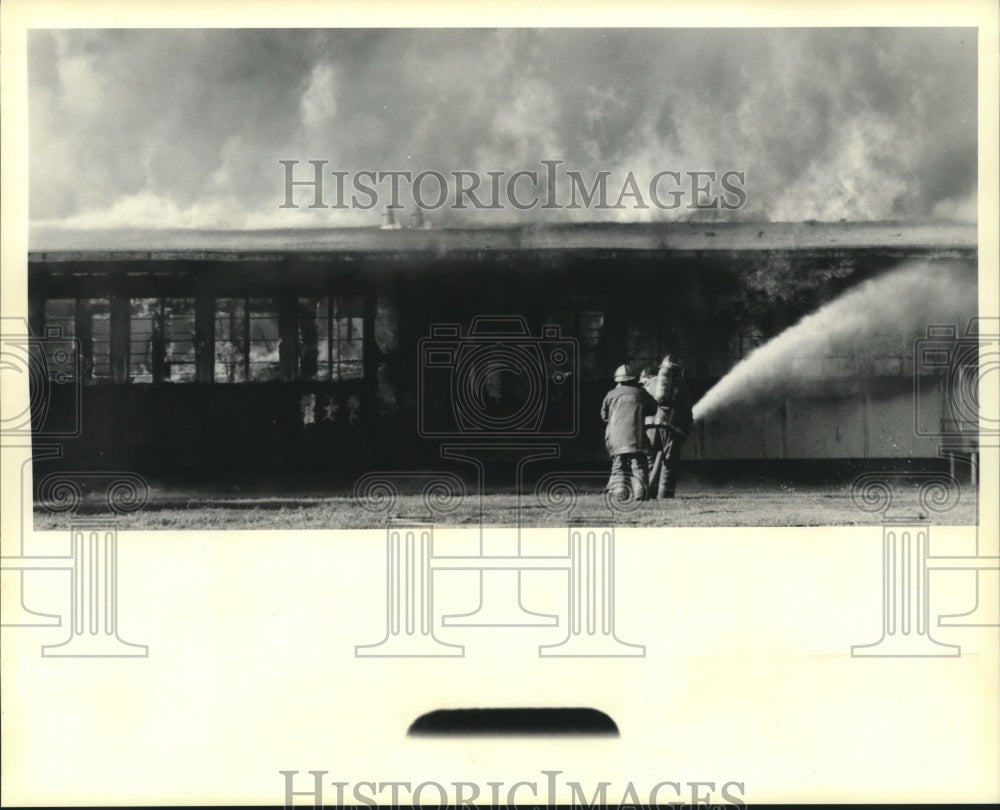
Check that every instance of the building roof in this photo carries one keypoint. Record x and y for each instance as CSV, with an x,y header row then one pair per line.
x,y
59,244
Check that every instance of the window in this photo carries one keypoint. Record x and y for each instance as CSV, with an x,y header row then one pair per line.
x,y
642,347
161,340
331,338
247,342
89,321
587,323
744,342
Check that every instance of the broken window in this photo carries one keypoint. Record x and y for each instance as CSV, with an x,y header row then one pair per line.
x,y
230,340
247,341
88,320
161,340
178,325
331,338
264,340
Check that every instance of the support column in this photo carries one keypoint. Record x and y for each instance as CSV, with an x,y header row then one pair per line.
x,y
94,597
591,613
905,608
16,516
204,338
982,569
499,588
119,338
409,596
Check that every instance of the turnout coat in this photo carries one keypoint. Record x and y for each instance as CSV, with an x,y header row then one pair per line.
x,y
625,409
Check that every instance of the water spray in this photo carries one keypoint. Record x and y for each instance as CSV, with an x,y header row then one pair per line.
x,y
894,308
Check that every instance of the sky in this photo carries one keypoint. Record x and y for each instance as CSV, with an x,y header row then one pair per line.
x,y
185,128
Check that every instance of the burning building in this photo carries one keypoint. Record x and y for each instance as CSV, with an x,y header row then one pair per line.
x,y
216,350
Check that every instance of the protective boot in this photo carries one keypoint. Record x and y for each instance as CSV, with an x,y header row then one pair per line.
x,y
640,477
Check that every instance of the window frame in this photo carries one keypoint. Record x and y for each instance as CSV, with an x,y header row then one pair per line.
x,y
159,364
334,360
204,336
83,334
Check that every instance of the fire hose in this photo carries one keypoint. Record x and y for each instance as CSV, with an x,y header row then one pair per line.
x,y
654,474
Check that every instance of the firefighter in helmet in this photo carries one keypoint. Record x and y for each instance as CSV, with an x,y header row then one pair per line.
x,y
667,429
624,410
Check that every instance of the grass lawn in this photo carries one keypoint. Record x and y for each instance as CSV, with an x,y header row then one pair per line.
x,y
776,505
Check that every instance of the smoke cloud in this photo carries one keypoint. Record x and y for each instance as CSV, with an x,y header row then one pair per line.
x,y
168,128
875,322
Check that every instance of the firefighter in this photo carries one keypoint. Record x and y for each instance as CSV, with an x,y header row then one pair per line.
x,y
647,379
624,410
669,427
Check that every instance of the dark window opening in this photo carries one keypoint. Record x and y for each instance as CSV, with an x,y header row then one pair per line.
x,y
88,320
742,343
642,347
587,323
331,338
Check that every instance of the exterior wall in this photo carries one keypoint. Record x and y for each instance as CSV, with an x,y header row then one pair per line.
x,y
851,427
618,306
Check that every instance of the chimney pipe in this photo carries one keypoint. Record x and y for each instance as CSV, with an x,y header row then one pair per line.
x,y
389,219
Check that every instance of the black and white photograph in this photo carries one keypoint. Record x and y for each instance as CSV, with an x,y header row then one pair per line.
x,y
317,254
597,409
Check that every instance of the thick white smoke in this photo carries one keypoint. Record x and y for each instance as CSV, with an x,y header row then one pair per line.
x,y
185,127
881,317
